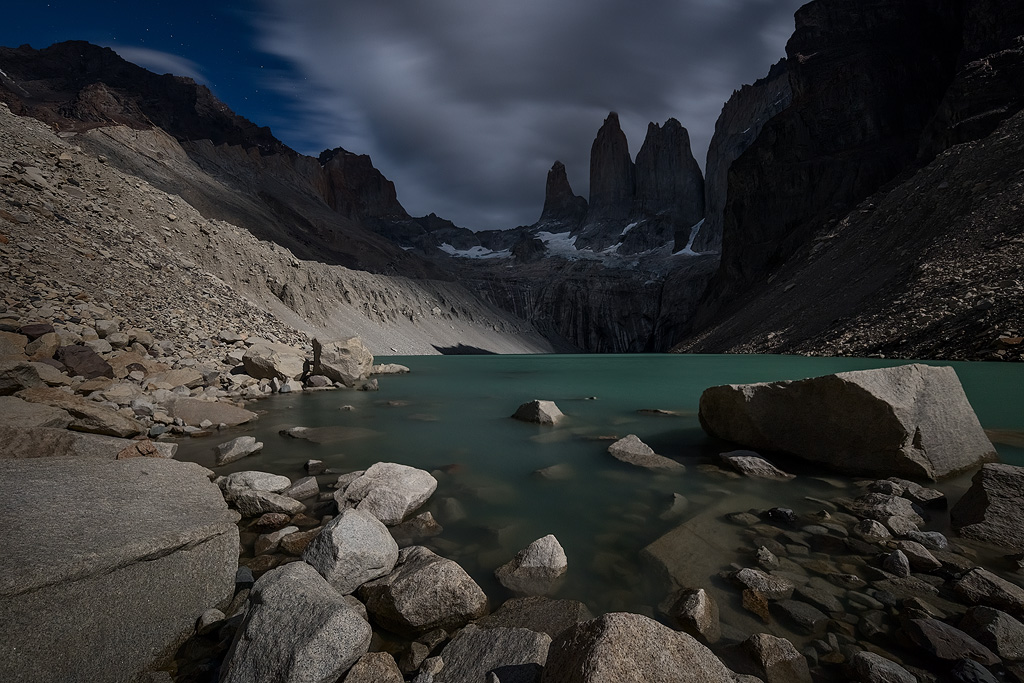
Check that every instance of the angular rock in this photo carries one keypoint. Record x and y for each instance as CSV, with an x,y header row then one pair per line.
x,y
771,587
630,648
237,483
513,654
920,559
193,412
44,347
353,548
374,667
980,586
273,361
346,360
992,510
88,416
18,375
750,464
897,563
295,628
422,593
969,671
185,377
388,491
872,668
945,642
84,362
389,369
804,617
304,488
296,543
539,412
155,533
883,507
45,442
775,659
270,542
12,346
922,424
871,531
236,449
15,412
539,614
415,529
996,630
633,451
256,503
535,570
696,612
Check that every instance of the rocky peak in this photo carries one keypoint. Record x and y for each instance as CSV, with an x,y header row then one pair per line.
x,y
560,204
612,175
668,179
355,189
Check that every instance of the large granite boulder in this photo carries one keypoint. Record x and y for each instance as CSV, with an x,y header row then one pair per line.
x,y
422,593
125,558
344,360
992,510
193,411
273,361
388,491
911,420
513,654
353,548
536,569
88,416
47,442
630,648
295,628
15,412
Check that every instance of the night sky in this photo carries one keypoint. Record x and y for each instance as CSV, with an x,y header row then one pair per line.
x,y
465,104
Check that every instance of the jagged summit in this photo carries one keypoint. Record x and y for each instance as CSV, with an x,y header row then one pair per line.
x,y
560,203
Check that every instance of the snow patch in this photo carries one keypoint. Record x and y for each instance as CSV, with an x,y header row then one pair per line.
x,y
559,244
688,249
625,230
476,252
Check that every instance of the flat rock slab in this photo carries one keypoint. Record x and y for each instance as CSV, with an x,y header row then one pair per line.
x,y
47,442
192,412
921,424
630,449
992,510
14,412
328,435
77,532
88,416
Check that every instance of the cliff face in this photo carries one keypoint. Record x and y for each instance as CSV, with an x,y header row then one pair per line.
x,y
736,129
612,186
561,205
356,189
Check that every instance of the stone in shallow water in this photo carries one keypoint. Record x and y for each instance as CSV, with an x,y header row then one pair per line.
x,y
992,510
236,449
773,659
750,464
805,617
771,587
540,412
632,450
696,612
535,570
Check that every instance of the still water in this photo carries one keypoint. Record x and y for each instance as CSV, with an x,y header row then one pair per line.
x,y
451,416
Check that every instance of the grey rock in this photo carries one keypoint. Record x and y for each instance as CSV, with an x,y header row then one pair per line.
x,y
273,361
423,592
537,613
15,412
980,586
388,491
771,587
535,570
804,617
192,412
630,648
345,360
945,642
992,510
925,497
296,628
88,416
353,548
515,655
932,540
237,483
155,533
871,668
969,671
996,630
270,542
374,667
696,613
389,369
822,599
315,467
750,464
920,559
896,563
416,529
775,659
632,450
236,449
923,425
255,503
540,412
84,362
883,507
304,488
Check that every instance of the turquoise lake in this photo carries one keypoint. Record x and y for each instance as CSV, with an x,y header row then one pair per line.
x,y
450,415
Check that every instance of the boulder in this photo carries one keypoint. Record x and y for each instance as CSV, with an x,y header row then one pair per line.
x,y
374,667
15,412
513,654
773,659
127,556
388,491
422,593
238,483
295,628
630,648
184,377
416,529
921,423
43,347
256,503
996,630
696,613
353,548
539,412
81,361
872,668
236,449
942,641
46,442
12,346
535,570
633,451
539,614
88,416
304,488
389,369
992,510
750,464
273,361
981,587
345,360
35,330
193,412
16,375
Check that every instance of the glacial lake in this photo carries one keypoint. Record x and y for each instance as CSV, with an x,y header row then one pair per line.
x,y
450,416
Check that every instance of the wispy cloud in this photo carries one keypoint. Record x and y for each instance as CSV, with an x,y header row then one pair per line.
x,y
160,62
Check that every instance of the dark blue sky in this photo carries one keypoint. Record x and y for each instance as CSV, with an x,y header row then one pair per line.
x,y
464,104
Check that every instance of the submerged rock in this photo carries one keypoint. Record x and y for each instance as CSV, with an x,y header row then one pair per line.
x,y
540,412
236,449
535,570
633,451
921,422
992,510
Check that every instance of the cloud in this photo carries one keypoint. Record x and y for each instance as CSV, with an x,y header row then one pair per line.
x,y
160,62
466,104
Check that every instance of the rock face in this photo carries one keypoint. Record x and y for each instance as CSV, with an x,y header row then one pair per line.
x,y
353,548
540,412
388,491
923,425
612,184
346,361
422,593
46,442
514,654
536,569
296,628
630,648
154,532
736,129
193,412
560,204
630,449
992,510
